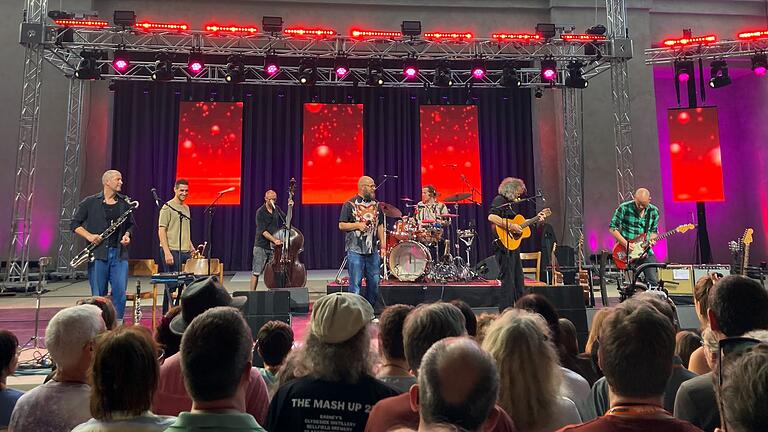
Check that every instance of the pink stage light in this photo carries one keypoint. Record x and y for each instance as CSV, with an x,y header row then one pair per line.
x,y
478,72
271,69
195,67
341,71
683,77
549,74
410,72
121,65
760,70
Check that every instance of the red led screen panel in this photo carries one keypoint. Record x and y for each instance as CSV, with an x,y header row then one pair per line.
x,y
450,148
333,152
210,141
694,150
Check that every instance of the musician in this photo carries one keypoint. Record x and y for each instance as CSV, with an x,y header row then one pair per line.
x,y
93,216
634,218
269,219
173,232
504,207
363,222
429,208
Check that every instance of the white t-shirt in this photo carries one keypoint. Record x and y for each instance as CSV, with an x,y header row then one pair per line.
x,y
564,414
146,422
52,407
575,388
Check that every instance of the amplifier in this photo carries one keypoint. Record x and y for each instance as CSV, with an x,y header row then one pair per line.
x,y
678,279
700,270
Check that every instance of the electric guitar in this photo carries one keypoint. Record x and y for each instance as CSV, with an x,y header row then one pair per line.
x,y
746,240
639,246
512,241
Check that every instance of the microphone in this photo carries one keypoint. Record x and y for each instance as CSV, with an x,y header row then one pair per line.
x,y
227,190
154,195
390,176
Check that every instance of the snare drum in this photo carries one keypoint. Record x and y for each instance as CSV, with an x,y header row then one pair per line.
x,y
430,232
405,228
409,260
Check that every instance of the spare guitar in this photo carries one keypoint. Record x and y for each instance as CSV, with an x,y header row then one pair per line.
x,y
557,276
583,275
512,241
746,240
639,246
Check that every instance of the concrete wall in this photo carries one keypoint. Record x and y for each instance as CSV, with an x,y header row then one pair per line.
x,y
649,22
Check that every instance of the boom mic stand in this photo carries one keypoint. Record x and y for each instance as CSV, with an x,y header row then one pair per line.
x,y
33,342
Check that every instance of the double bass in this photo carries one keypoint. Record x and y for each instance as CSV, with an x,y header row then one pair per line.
x,y
285,270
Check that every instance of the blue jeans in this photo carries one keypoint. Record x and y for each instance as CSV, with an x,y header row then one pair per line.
x,y
367,265
112,270
651,273
179,258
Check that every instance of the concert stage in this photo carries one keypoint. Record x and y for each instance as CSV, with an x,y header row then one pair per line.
x,y
477,294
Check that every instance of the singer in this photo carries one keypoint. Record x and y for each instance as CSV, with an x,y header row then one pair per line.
x,y
269,219
95,214
173,229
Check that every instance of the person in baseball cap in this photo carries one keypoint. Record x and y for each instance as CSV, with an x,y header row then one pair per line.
x,y
200,296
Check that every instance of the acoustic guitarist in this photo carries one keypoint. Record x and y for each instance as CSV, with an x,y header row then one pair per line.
x,y
503,210
634,218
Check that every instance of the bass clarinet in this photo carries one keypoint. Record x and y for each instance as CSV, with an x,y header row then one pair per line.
x,y
86,255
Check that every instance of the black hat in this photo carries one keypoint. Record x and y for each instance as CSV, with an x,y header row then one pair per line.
x,y
200,296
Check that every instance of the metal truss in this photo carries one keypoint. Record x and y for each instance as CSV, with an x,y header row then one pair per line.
x,y
714,51
574,190
622,127
71,177
26,153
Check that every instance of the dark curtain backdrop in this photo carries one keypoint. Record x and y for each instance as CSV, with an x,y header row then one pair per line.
x,y
146,117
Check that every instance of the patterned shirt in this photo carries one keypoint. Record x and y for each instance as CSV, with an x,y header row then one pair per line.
x,y
628,221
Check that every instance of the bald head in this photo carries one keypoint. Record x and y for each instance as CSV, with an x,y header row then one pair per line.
x,y
270,198
366,187
112,181
642,197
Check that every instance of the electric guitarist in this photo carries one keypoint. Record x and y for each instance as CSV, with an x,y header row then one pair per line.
x,y
634,218
509,233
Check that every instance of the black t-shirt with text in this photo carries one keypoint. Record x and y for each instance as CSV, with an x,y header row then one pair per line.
x,y
270,222
112,213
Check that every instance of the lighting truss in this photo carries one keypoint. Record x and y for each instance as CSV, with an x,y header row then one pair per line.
x,y
712,51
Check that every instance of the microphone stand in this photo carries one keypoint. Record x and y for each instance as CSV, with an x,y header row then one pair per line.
x,y
210,211
182,216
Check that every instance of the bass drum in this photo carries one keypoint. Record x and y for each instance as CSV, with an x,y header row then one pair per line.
x,y
409,260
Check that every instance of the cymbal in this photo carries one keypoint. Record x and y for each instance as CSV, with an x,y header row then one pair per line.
x,y
406,199
389,210
458,196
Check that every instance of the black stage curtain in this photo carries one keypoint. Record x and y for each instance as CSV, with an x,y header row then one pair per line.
x,y
145,127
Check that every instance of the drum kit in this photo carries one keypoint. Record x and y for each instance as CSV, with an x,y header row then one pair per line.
x,y
420,249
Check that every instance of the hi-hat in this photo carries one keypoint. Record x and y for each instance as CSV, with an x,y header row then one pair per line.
x,y
458,196
389,210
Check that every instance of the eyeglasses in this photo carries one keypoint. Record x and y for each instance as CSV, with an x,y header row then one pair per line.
x,y
729,348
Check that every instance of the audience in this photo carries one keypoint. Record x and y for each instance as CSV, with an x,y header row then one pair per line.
x,y
737,305
424,326
686,342
743,395
171,397
470,319
394,369
338,389
273,343
216,360
637,345
590,349
168,340
62,403
484,322
123,380
108,313
698,362
458,385
570,352
531,378
9,359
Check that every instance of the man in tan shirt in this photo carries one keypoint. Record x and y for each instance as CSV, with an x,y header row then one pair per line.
x,y
173,231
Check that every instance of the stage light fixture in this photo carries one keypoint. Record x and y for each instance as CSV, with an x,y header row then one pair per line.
x,y
509,77
375,76
195,63
442,76
410,28
548,70
410,68
341,66
307,71
538,94
121,60
271,64
719,74
683,71
575,78
88,67
545,30
760,64
124,18
163,68
478,70
272,24
235,69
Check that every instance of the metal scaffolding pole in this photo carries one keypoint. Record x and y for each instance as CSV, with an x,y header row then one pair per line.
x,y
26,157
574,210
622,129
70,177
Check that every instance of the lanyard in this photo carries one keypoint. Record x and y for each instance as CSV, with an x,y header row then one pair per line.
x,y
637,410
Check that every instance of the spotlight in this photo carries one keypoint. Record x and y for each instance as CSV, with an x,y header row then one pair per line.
x,y
509,77
442,76
341,66
410,28
538,93
271,64
545,30
683,71
760,64
478,70
272,24
235,69
575,78
375,73
163,68
121,60
124,18
548,70
410,68
195,63
307,71
88,68
719,74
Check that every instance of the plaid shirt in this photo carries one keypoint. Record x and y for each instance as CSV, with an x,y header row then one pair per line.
x,y
627,220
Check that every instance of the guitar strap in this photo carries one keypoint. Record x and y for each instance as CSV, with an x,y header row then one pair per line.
x,y
647,220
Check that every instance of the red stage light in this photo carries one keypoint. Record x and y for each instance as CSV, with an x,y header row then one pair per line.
x,y
362,34
757,34
448,35
698,40
214,28
524,37
81,23
162,26
321,33
582,37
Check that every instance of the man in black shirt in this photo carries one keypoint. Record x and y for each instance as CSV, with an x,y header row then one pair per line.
x,y
362,221
110,264
269,219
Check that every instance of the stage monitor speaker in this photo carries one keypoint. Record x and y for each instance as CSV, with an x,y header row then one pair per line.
x,y
569,301
488,268
264,306
299,299
678,279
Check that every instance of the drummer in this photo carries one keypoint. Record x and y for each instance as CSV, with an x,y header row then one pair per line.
x,y
429,209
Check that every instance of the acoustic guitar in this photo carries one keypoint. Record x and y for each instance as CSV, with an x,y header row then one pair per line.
x,y
639,246
583,274
512,241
